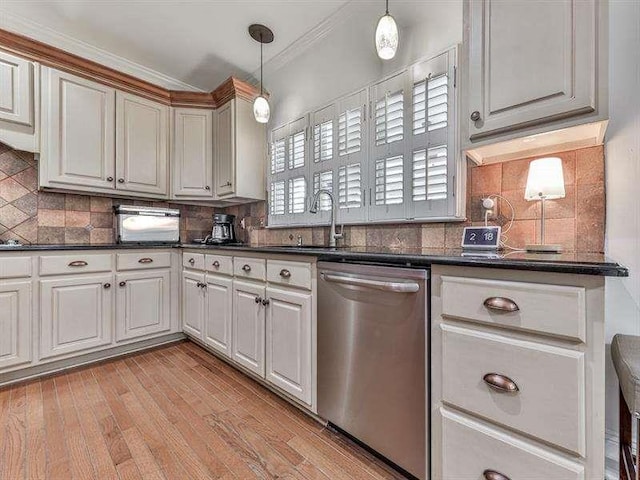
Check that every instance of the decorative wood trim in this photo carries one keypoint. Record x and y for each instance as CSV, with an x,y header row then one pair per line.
x,y
37,51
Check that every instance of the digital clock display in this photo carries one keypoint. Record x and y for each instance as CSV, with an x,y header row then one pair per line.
x,y
481,238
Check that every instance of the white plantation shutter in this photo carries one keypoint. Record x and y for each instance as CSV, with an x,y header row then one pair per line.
x,y
297,195
390,118
350,186
323,181
390,181
350,132
276,198
277,156
296,150
430,180
323,141
437,102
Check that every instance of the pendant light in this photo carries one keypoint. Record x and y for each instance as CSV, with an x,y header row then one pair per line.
x,y
263,35
387,36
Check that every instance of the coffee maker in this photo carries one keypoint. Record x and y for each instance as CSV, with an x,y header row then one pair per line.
x,y
223,231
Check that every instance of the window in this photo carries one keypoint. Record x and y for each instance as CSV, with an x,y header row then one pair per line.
x,y
387,153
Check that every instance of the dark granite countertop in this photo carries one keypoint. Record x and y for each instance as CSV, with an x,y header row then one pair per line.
x,y
577,263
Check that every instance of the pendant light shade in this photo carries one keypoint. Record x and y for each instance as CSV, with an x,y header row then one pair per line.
x,y
261,110
387,36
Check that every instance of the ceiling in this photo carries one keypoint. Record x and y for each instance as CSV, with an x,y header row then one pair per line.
x,y
198,42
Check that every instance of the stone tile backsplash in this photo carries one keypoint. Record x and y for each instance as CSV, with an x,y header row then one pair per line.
x,y
576,221
34,217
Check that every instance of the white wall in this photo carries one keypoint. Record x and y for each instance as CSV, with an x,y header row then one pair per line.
x,y
622,152
345,60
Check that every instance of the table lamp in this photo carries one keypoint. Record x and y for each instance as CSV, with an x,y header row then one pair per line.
x,y
545,182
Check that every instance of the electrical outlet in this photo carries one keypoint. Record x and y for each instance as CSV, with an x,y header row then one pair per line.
x,y
490,205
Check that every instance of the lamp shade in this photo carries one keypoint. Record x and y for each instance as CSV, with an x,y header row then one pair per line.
x,y
386,37
261,110
545,179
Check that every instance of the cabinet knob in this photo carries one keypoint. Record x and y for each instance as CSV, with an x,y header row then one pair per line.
x,y
227,184
216,264
501,304
284,273
107,286
121,180
207,187
109,179
475,116
493,475
500,383
246,268
191,261
266,302
122,284
258,299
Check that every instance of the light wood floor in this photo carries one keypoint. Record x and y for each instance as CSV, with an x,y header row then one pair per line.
x,y
172,413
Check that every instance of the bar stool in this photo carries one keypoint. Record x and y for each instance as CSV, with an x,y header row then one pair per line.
x,y
625,352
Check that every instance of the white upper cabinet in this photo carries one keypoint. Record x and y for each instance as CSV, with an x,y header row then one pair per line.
x,y
16,89
240,152
78,133
142,145
533,64
192,154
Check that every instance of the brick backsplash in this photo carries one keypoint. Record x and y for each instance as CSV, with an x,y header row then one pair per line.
x,y
576,221
34,217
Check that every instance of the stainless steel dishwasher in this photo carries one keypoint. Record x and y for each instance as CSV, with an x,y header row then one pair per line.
x,y
371,358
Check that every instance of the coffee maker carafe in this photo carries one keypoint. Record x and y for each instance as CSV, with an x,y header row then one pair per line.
x,y
223,229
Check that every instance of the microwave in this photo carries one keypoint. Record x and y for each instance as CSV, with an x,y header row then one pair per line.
x,y
147,224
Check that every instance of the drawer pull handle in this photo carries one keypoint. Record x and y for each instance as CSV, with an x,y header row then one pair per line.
x,y
78,263
501,304
284,273
493,475
500,383
246,268
216,264
145,260
191,261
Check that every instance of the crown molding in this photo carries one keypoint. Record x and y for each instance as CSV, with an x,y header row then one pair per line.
x,y
23,26
310,38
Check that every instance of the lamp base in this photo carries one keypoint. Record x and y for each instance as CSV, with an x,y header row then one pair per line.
x,y
544,248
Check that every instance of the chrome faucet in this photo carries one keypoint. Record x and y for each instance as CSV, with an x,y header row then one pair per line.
x,y
333,236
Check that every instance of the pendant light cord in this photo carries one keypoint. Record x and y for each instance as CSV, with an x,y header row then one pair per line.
x,y
387,7
261,45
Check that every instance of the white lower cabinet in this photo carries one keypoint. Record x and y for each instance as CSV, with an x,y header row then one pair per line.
x,y
75,314
248,325
218,318
288,341
193,304
15,323
143,303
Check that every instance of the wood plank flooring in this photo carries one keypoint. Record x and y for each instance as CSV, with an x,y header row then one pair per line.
x,y
176,412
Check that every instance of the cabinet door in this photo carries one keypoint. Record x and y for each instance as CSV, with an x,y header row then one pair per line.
x,y
225,149
16,89
289,341
75,314
530,63
143,303
218,314
15,323
193,304
248,326
142,145
78,132
193,153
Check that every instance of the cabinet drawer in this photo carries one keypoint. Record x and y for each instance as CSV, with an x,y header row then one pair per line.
x,y
193,260
15,267
252,268
550,382
470,448
143,260
552,309
297,274
79,263
219,264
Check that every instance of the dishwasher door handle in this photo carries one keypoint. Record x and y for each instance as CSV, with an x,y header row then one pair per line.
x,y
398,287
